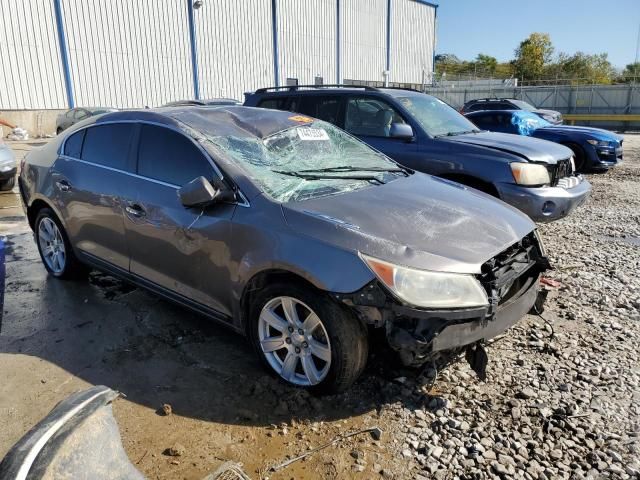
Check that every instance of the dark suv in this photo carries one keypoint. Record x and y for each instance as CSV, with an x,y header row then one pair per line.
x,y
478,104
425,134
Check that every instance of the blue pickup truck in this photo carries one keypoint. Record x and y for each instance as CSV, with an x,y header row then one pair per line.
x,y
425,134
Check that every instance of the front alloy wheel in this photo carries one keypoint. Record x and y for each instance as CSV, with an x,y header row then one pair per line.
x,y
307,338
294,341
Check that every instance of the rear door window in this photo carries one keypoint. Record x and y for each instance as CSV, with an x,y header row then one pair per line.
x,y
279,103
73,145
369,116
108,145
170,157
325,108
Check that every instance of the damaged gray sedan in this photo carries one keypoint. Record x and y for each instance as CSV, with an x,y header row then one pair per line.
x,y
286,229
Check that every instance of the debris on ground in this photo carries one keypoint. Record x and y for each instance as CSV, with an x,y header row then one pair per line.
x,y
375,432
177,450
18,134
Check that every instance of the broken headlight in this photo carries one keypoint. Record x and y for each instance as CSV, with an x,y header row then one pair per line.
x,y
423,288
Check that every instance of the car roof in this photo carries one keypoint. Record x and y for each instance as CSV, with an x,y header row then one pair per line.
x,y
491,100
230,120
317,89
504,111
203,102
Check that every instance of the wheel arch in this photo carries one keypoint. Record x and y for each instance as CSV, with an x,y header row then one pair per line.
x,y
473,182
37,205
265,277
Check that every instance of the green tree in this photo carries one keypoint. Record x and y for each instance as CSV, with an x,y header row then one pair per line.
x,y
582,68
532,55
486,63
632,70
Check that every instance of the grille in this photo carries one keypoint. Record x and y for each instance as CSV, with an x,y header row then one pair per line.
x,y
560,170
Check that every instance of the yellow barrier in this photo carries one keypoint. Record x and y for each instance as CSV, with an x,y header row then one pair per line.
x,y
570,118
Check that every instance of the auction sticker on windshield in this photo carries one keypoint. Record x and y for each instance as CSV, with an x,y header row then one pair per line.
x,y
308,133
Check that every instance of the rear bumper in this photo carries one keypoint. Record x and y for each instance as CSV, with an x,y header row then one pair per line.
x,y
545,204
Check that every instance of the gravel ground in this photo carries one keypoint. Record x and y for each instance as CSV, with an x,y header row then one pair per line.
x,y
562,397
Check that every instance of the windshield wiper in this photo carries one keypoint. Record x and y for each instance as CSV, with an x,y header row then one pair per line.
x,y
347,168
453,134
304,176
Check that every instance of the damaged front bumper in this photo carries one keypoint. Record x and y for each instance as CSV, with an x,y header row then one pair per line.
x,y
511,280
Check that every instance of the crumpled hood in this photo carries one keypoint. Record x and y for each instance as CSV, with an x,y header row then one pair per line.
x,y
420,221
532,149
590,132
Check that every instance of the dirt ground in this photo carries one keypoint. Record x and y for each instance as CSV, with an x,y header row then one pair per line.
x,y
60,337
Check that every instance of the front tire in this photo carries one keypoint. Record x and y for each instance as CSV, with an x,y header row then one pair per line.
x,y
307,339
579,157
54,247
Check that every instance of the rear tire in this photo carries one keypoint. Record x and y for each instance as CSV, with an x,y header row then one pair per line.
x,y
55,249
8,184
58,131
307,339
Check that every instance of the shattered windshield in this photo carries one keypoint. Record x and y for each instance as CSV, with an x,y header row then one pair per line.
x,y
309,161
436,117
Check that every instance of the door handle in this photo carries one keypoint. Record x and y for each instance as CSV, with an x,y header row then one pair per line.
x,y
63,185
135,210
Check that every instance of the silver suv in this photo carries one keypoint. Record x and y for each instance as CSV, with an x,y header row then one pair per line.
x,y
286,229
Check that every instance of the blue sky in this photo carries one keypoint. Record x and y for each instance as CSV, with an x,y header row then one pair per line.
x,y
496,27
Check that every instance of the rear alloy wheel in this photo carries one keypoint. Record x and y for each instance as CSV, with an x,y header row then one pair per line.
x,y
54,247
308,339
51,245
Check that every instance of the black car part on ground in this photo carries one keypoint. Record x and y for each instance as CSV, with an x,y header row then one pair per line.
x,y
78,439
418,335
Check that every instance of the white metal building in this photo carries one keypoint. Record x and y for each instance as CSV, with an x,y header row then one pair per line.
x,y
56,54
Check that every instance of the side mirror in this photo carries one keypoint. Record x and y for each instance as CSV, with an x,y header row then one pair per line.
x,y
401,130
199,193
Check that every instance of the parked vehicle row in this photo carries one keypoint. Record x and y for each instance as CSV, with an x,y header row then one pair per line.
x,y
423,133
304,223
